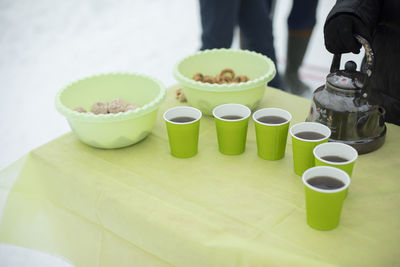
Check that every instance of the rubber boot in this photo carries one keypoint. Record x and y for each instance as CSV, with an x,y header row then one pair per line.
x,y
296,49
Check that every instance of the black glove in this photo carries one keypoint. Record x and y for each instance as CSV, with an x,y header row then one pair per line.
x,y
339,34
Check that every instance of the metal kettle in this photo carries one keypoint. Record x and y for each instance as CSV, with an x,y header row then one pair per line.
x,y
342,105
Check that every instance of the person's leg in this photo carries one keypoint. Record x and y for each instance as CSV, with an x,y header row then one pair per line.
x,y
218,20
255,22
301,22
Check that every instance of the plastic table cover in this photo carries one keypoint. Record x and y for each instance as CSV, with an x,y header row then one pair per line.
x,y
139,206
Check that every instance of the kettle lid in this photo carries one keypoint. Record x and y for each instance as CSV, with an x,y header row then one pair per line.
x,y
349,78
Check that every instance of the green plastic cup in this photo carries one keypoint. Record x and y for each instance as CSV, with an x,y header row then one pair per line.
x,y
231,133
183,136
339,150
303,157
271,137
324,206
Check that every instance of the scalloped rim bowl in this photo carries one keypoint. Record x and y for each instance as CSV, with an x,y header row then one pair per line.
x,y
205,96
112,130
261,80
70,113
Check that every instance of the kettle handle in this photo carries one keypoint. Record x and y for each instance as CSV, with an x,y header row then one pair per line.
x,y
369,57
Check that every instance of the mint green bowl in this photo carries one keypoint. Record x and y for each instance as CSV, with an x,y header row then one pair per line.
x,y
205,96
112,130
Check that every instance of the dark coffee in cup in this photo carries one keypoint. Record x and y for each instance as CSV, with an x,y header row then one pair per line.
x,y
231,117
325,182
334,159
309,135
182,119
272,119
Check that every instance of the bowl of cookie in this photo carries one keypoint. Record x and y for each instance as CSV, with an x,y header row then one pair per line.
x,y
219,76
111,110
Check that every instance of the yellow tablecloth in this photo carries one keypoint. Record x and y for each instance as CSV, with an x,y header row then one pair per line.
x,y
139,206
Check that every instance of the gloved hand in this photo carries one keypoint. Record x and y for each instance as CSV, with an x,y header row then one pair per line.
x,y
339,34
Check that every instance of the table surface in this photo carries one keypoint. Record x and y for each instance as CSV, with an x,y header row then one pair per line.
x,y
141,206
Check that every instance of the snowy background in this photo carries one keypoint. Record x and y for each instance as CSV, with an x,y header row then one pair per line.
x,y
46,44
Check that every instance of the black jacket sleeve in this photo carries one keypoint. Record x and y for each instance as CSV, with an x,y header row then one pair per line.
x,y
368,11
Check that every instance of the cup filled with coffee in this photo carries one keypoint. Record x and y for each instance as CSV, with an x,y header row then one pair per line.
x,y
337,155
231,121
183,125
305,137
272,125
325,191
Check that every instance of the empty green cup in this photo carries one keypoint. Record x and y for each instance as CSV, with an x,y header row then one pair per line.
x,y
324,206
231,131
271,132
303,157
183,136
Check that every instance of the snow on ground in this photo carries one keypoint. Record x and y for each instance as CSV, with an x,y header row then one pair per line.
x,y
46,44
